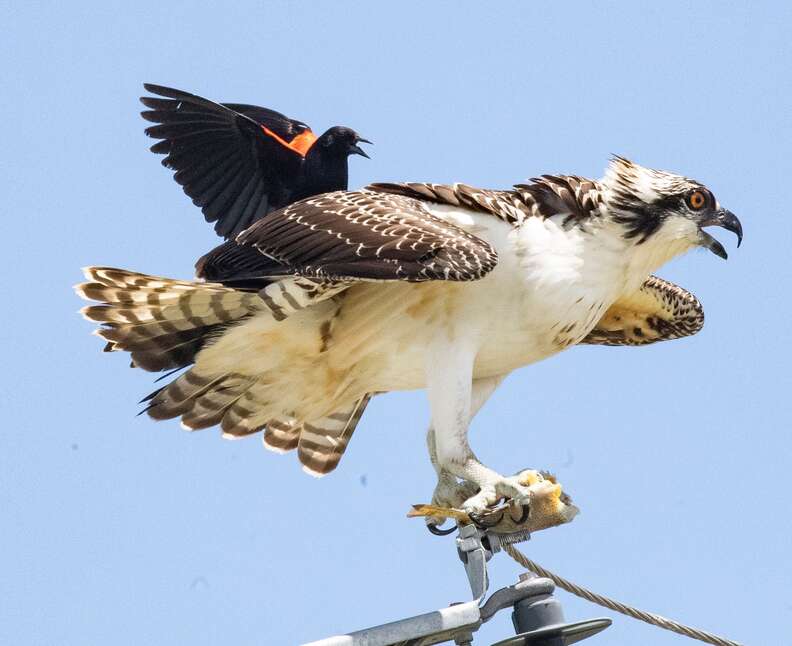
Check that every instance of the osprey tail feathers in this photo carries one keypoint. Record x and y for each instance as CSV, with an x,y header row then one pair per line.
x,y
164,324
243,405
161,322
322,443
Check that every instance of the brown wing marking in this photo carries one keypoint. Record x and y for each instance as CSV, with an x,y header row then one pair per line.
x,y
658,311
545,196
364,235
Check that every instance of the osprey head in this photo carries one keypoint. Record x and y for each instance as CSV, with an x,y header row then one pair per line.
x,y
650,202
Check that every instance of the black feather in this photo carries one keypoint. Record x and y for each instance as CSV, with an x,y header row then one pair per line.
x,y
216,149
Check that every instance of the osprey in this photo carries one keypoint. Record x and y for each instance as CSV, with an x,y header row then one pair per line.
x,y
291,328
238,162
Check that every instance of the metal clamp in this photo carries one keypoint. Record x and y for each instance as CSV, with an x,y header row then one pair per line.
x,y
537,616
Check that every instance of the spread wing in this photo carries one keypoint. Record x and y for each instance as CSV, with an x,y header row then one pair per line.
x,y
658,311
236,161
351,235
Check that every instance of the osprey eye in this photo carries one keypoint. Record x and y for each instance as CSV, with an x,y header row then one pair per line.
x,y
697,200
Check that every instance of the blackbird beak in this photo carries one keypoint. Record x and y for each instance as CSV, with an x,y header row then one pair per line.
x,y
720,218
354,149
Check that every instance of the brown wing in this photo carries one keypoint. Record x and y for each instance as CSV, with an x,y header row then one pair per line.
x,y
503,204
658,311
546,196
357,235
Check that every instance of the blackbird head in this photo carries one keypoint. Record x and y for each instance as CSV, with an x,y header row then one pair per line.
x,y
340,141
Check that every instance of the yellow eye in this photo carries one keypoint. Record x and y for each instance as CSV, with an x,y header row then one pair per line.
x,y
697,200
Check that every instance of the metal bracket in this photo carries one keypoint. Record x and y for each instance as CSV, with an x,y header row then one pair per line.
x,y
474,551
537,616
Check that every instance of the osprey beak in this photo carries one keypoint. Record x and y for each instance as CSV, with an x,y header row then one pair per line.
x,y
720,218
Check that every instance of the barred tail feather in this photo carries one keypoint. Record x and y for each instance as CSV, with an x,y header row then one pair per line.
x,y
281,436
239,405
195,398
170,324
162,322
322,443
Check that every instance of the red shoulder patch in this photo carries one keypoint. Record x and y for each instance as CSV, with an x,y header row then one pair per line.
x,y
302,142
299,144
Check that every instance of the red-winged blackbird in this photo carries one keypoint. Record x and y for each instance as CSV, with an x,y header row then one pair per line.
x,y
239,162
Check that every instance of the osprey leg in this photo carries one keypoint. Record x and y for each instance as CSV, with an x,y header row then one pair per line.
x,y
449,383
449,492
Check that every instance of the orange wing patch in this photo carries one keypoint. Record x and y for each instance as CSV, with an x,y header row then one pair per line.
x,y
299,144
302,142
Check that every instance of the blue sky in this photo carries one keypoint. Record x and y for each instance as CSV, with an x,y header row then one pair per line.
x,y
119,530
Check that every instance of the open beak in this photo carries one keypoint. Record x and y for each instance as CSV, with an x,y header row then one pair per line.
x,y
720,218
357,150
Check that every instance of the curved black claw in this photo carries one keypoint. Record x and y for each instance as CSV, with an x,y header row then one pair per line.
x,y
478,520
435,529
526,511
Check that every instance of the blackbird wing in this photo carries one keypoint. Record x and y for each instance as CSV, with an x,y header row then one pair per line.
x,y
237,162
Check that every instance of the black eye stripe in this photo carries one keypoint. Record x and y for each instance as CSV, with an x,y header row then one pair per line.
x,y
669,202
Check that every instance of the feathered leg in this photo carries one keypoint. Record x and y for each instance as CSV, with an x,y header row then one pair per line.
x,y
449,374
449,492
